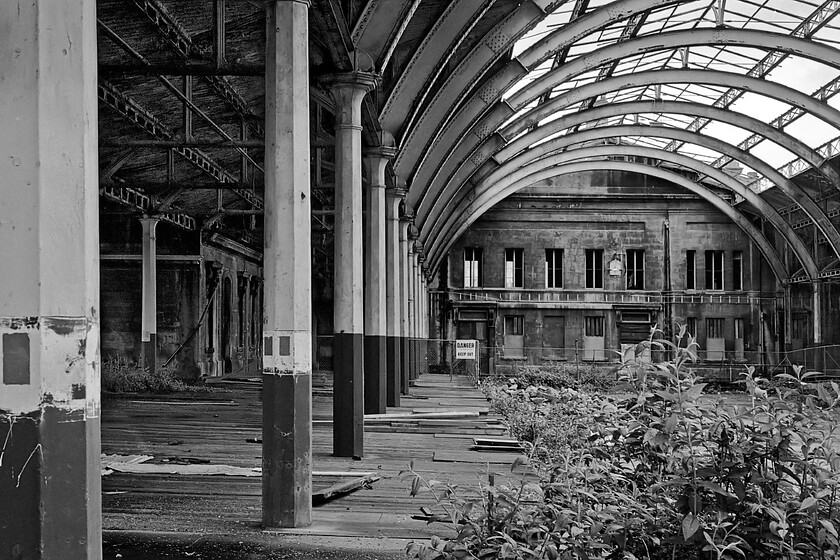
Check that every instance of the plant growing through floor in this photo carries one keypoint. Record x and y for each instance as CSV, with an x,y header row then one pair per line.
x,y
121,375
667,472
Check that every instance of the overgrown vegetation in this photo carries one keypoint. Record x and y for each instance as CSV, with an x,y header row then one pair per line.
x,y
664,473
121,375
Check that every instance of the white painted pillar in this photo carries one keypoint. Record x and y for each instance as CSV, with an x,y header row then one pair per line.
x,y
375,349
405,315
148,314
348,91
287,334
394,293
50,482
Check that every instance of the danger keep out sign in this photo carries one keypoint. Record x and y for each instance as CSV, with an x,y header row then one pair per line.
x,y
466,349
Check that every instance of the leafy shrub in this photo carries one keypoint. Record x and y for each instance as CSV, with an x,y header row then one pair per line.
x,y
563,375
666,473
120,375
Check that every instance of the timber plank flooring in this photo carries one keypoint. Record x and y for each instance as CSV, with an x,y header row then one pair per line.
x,y
218,429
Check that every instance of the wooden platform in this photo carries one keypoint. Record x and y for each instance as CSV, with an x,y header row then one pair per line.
x,y
215,429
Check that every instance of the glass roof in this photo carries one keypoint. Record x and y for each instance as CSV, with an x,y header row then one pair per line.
x,y
804,19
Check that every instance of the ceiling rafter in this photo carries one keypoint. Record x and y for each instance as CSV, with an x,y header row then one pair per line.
x,y
806,29
131,110
181,41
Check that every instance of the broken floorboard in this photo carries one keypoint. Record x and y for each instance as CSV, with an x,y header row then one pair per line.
x,y
232,504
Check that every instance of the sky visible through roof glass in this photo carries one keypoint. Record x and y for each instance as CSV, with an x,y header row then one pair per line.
x,y
803,19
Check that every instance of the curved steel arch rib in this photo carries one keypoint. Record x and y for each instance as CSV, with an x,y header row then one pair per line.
x,y
797,195
474,112
474,209
425,128
499,150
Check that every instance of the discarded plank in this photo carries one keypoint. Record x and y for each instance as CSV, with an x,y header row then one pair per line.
x,y
327,494
471,457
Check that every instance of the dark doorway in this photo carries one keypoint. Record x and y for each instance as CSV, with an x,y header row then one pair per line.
x,y
224,343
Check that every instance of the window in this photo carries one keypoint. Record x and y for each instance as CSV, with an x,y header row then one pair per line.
x,y
635,269
593,326
690,270
514,336
472,267
714,328
594,268
514,325
513,268
737,270
714,270
554,268
739,328
691,326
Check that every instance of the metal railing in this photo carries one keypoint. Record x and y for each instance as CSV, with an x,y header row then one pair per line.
x,y
606,296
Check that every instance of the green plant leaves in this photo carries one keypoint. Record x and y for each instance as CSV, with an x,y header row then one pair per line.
x,y
690,525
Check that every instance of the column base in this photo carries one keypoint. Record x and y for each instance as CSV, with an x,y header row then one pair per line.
x,y
148,353
287,450
405,358
348,395
394,369
51,477
376,356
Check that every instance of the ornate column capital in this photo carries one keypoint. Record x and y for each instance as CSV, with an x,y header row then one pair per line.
x,y
347,91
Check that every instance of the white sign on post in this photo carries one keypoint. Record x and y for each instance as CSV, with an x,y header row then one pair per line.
x,y
466,349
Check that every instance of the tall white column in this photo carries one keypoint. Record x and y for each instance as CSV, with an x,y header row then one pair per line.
x,y
375,351
395,294
287,329
148,315
50,482
405,316
348,90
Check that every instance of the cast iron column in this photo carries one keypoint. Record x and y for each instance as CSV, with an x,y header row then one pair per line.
x,y
347,91
376,353
50,482
287,322
405,320
148,314
394,297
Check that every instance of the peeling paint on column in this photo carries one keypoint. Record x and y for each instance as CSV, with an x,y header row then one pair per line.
x,y
294,352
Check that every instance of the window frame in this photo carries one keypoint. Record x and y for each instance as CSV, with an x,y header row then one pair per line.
x,y
514,267
738,271
715,273
597,324
553,269
594,270
691,269
473,267
634,271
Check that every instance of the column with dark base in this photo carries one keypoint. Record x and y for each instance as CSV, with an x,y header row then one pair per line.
x,y
394,295
287,330
50,482
347,91
376,354
148,314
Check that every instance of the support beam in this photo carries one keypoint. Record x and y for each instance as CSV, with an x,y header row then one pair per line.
x,y
376,354
287,334
347,91
394,293
148,315
50,482
405,320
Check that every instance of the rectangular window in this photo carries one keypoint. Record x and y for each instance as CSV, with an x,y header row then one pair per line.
x,y
635,269
691,326
593,326
739,328
714,328
554,268
514,325
691,270
513,268
737,270
714,270
594,268
472,267
514,336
